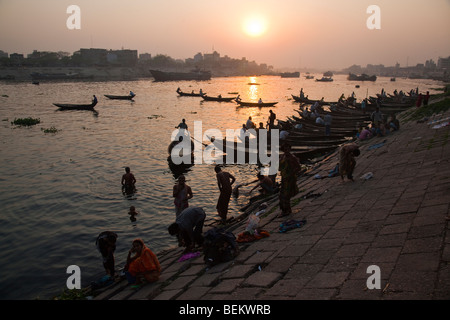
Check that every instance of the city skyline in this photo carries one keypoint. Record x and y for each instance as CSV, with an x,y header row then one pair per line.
x,y
288,33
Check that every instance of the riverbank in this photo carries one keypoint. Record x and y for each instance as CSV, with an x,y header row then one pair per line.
x,y
76,73
398,221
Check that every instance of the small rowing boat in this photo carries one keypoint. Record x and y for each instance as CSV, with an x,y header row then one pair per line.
x,y
219,98
256,104
128,97
67,106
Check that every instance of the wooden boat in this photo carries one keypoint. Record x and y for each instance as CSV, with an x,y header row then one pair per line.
x,y
309,77
174,76
325,79
129,97
256,104
306,154
309,101
66,106
219,99
191,94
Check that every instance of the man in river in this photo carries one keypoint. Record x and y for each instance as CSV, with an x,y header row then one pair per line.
x,y
128,181
224,181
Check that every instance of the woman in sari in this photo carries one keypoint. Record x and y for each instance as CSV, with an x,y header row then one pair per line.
x,y
143,266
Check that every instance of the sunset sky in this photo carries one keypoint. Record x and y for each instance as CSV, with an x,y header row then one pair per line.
x,y
288,33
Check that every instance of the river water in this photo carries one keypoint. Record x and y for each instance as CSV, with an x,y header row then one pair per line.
x,y
60,190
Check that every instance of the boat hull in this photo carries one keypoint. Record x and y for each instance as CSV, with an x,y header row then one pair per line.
x,y
112,97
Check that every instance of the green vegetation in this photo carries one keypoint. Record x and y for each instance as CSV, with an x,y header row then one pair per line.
x,y
427,111
50,130
26,121
72,294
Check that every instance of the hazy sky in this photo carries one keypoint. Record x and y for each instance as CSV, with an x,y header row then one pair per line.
x,y
298,33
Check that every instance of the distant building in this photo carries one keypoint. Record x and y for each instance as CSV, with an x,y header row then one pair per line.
x,y
145,57
444,63
93,56
3,54
198,57
103,57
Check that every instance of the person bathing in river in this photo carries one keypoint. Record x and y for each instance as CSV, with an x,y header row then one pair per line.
x,y
188,228
265,183
224,180
182,193
128,181
133,213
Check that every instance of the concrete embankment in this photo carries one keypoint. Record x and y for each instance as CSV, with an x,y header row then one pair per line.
x,y
386,237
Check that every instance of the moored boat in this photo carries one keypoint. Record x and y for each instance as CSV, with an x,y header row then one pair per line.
x,y
67,106
325,79
218,98
290,74
256,104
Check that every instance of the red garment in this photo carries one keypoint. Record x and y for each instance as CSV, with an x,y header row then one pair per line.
x,y
147,261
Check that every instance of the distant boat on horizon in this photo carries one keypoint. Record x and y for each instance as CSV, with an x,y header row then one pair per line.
x,y
363,77
290,74
174,76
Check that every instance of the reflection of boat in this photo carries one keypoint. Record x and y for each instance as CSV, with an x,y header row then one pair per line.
x,y
256,104
325,79
219,98
66,106
290,74
172,76
363,77
129,97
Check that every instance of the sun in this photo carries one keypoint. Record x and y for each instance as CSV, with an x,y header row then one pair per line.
x,y
255,26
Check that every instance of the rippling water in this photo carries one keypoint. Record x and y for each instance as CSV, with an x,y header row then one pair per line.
x,y
60,190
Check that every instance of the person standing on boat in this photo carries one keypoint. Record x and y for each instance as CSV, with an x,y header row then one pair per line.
x,y
94,100
182,193
182,125
132,94
224,180
272,117
327,120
